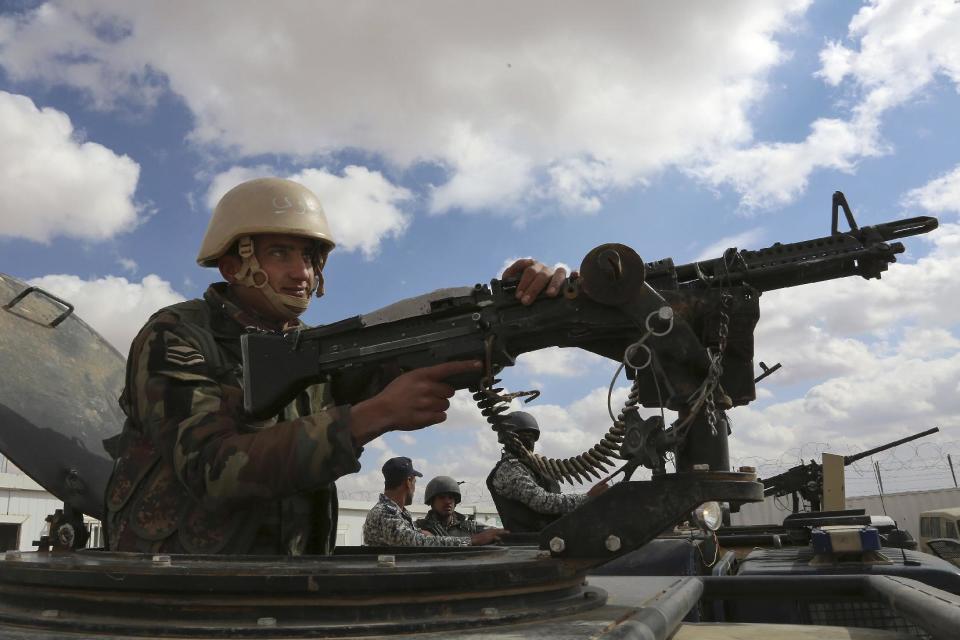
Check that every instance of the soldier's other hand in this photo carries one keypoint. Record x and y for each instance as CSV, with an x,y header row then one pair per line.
x,y
597,489
487,536
535,277
426,533
411,401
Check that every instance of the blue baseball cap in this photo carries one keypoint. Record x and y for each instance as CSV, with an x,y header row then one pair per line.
x,y
396,469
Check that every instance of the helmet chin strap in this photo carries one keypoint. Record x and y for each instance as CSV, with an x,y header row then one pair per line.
x,y
251,275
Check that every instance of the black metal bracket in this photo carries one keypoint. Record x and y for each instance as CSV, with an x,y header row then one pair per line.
x,y
23,294
766,371
630,514
840,201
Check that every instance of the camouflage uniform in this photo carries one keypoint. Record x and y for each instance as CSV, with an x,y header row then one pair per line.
x,y
459,525
390,525
193,474
525,500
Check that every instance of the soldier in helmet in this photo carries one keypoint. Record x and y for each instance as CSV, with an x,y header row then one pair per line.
x,y
443,495
193,473
526,499
389,524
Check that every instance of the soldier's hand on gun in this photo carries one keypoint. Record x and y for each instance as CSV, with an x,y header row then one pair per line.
x,y
411,401
487,536
597,489
535,277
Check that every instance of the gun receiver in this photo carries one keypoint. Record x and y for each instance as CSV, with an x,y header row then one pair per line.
x,y
806,480
483,322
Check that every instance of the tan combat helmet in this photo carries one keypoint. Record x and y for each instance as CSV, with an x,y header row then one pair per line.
x,y
267,205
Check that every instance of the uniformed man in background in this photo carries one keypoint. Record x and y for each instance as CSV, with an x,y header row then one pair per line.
x,y
526,499
443,495
389,524
193,472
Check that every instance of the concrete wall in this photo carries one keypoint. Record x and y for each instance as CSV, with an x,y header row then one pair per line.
x,y
904,507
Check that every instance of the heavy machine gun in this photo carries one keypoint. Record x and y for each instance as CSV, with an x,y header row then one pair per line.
x,y
683,333
806,480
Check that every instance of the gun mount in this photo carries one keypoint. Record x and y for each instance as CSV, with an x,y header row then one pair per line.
x,y
806,480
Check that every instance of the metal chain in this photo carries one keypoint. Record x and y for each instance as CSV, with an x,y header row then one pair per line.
x,y
716,362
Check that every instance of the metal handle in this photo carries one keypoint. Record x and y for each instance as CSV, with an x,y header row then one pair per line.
x,y
23,294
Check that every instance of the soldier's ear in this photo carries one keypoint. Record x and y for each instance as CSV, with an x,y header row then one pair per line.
x,y
229,265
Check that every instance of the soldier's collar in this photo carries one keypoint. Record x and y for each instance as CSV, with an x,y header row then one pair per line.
x,y
230,319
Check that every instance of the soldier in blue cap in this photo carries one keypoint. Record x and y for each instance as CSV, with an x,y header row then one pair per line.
x,y
389,524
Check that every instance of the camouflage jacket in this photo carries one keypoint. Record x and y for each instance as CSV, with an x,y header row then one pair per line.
x,y
390,525
193,473
514,481
459,525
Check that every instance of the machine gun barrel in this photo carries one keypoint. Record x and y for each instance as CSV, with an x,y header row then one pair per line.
x,y
848,460
864,251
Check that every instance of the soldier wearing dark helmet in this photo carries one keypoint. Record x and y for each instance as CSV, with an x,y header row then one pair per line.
x,y
443,495
526,499
193,473
389,524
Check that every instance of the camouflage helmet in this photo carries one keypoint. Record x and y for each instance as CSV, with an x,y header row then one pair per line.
x,y
267,206
517,422
441,484
263,205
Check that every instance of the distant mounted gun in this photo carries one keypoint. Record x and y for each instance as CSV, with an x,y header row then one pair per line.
x,y
806,480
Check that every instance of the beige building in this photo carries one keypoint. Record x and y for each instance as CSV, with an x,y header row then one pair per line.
x,y
24,506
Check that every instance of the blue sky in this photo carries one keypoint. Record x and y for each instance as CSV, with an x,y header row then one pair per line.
x,y
446,139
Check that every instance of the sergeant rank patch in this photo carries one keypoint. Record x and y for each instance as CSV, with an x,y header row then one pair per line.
x,y
183,356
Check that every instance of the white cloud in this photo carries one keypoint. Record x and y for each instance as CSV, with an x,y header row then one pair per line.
x,y
556,361
940,195
774,174
526,112
746,240
128,264
362,207
114,307
52,184
903,45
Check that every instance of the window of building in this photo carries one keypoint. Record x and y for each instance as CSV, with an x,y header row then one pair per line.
x,y
930,528
95,541
951,529
9,536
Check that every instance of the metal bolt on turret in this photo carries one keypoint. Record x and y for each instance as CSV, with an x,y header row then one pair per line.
x,y
163,561
557,545
266,622
386,561
612,543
